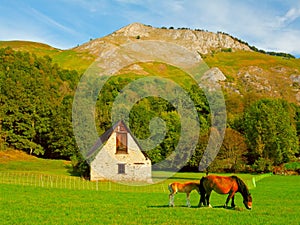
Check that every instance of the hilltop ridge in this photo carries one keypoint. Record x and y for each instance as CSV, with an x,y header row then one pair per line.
x,y
203,42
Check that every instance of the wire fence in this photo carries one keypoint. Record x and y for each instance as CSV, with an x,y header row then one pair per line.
x,y
77,183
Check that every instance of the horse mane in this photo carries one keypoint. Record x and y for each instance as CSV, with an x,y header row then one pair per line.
x,y
243,189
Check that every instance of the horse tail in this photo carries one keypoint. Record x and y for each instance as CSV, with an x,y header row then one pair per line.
x,y
173,187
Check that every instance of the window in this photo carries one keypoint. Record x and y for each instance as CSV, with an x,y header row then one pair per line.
x,y
121,168
121,144
121,128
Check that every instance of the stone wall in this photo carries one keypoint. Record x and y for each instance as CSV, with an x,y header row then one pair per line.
x,y
105,164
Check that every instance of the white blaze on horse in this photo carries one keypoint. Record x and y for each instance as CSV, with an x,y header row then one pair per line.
x,y
186,187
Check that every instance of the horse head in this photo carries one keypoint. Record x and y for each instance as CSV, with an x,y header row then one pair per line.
x,y
248,201
243,189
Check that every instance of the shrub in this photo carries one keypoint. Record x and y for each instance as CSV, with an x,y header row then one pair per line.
x,y
263,165
292,166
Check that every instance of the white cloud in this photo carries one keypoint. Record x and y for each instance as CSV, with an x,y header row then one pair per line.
x,y
49,21
287,41
289,17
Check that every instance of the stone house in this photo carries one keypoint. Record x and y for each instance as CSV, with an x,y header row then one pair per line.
x,y
117,156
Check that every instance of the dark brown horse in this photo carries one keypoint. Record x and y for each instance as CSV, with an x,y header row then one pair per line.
x,y
224,185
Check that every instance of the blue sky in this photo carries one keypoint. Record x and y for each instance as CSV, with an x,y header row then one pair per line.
x,y
272,25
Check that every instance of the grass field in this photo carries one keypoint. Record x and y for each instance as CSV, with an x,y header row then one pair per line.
x,y
275,200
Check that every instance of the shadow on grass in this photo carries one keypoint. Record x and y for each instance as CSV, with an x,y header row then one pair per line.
x,y
223,207
196,207
175,178
167,206
158,206
236,208
71,171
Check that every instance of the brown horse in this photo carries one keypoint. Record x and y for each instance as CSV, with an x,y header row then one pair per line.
x,y
186,187
224,185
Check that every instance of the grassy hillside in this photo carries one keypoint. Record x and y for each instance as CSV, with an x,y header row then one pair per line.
x,y
159,69
67,59
19,161
268,76
231,62
272,72
34,47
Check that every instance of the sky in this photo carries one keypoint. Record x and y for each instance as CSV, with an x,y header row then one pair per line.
x,y
271,25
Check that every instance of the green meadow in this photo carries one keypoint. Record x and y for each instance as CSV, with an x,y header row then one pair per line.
x,y
275,201
275,198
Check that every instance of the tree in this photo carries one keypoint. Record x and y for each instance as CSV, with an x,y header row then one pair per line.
x,y
60,139
270,131
33,107
231,156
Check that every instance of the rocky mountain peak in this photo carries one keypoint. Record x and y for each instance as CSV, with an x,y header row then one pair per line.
x,y
134,30
200,41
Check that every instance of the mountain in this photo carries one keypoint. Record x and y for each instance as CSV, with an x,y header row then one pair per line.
x,y
245,71
195,40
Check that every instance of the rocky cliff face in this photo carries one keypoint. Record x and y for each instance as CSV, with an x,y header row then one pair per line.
x,y
194,40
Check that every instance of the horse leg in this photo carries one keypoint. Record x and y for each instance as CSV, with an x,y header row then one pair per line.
x,y
202,201
202,194
171,199
231,194
207,199
188,203
232,202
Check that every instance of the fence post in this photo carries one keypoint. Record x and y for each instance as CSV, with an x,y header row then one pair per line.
x,y
253,181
